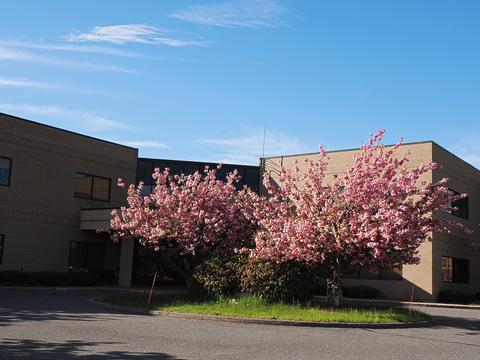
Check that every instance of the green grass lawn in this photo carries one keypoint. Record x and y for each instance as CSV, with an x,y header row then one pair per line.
x,y
253,307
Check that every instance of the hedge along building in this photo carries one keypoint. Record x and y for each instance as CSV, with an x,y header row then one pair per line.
x,y
58,187
447,262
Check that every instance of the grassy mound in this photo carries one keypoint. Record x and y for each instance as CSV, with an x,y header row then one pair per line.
x,y
254,307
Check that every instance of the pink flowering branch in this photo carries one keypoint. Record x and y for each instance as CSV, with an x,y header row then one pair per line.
x,y
192,212
374,216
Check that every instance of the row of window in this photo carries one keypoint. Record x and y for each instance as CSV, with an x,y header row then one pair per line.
x,y
86,186
92,187
249,175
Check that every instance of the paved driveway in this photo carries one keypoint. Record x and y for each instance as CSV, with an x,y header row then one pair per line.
x,y
51,324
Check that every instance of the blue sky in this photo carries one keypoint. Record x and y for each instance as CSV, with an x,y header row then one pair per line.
x,y
197,80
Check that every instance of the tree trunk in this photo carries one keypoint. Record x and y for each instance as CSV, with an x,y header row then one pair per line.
x,y
334,288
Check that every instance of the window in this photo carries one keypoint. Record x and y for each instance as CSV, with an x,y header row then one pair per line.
x,y
92,187
190,169
5,171
252,178
146,190
145,171
2,245
461,205
455,270
86,254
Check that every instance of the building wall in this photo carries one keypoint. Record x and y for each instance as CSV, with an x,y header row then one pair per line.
x,y
463,178
39,214
418,278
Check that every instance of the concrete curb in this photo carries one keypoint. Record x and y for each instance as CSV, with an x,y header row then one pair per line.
x,y
403,303
256,321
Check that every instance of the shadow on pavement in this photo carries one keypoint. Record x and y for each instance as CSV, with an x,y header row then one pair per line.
x,y
468,326
9,316
23,305
464,331
73,349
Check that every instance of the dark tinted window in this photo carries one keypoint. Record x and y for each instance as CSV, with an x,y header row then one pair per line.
x,y
455,270
252,178
5,169
241,172
461,206
101,189
145,171
147,190
175,168
249,174
222,173
86,254
83,185
189,169
92,187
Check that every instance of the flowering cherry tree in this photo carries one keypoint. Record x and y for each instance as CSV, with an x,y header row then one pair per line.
x,y
193,213
373,216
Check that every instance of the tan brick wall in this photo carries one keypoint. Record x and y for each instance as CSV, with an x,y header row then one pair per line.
x,y
39,214
463,178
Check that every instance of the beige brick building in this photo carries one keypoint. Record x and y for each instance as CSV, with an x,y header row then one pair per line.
x,y
447,262
53,183
57,187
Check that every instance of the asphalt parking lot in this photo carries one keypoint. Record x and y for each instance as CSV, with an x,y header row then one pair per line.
x,y
63,324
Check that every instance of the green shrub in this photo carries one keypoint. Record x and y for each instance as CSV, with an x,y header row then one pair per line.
x,y
277,282
218,274
10,277
360,292
455,296
52,278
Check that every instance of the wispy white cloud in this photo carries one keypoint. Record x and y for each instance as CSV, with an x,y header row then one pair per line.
x,y
26,83
69,47
247,147
80,119
15,54
145,144
235,14
132,33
